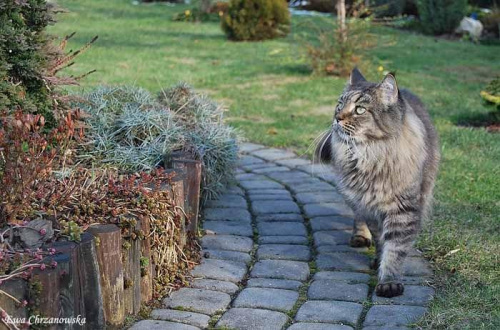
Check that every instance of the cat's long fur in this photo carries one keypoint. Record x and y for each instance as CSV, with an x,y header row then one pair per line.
x,y
386,161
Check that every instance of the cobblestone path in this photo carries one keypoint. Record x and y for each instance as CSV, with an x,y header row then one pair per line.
x,y
276,256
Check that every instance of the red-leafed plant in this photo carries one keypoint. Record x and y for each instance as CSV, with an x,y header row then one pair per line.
x,y
28,155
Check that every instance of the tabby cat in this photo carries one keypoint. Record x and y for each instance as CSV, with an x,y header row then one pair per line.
x,y
384,152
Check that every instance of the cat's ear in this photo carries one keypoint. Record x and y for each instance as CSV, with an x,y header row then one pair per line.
x,y
389,89
356,77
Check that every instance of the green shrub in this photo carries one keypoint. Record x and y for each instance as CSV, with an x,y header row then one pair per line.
x,y
441,16
336,53
388,8
256,19
491,93
22,59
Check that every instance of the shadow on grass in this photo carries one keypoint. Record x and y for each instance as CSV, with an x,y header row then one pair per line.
x,y
294,69
489,120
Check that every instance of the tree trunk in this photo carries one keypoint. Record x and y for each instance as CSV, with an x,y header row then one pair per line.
x,y
205,6
341,18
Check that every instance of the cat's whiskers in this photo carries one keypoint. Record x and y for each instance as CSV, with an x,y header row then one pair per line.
x,y
315,142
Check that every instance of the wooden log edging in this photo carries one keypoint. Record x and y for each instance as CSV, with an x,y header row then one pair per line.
x,y
108,247
185,163
96,278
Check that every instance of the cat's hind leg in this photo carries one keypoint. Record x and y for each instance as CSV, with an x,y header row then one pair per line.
x,y
396,239
361,236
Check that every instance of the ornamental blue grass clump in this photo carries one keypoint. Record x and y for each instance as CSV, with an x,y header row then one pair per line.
x,y
130,129
206,135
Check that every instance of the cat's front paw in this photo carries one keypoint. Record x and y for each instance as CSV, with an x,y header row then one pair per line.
x,y
389,290
360,241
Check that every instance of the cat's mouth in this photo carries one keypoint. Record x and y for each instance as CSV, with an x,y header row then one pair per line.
x,y
341,132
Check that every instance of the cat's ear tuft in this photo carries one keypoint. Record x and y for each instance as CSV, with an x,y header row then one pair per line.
x,y
356,77
389,89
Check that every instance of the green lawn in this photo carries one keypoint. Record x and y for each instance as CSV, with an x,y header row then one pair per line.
x,y
272,97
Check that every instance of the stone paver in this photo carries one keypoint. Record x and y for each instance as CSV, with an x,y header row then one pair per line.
x,y
281,229
313,187
282,213
229,228
319,197
413,295
291,239
224,270
227,242
286,217
336,290
198,300
249,177
292,162
315,210
329,312
228,201
339,248
284,252
269,207
333,222
226,255
215,285
333,237
290,176
260,184
195,319
249,147
343,261
273,299
393,315
271,169
252,319
267,197
269,191
227,214
349,277
273,283
284,269
235,190
273,154
161,325
318,326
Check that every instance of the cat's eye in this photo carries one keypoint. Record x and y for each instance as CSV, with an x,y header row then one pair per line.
x,y
360,110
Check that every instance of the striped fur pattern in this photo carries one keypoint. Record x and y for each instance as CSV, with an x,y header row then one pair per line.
x,y
384,151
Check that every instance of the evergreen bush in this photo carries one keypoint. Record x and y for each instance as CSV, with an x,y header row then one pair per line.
x,y
256,19
441,16
22,56
388,8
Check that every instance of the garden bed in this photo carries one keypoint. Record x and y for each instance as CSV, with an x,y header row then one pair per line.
x,y
109,272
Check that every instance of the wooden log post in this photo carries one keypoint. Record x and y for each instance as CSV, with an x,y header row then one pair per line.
x,y
47,299
108,247
131,258
146,262
90,285
177,187
186,163
71,302
16,288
